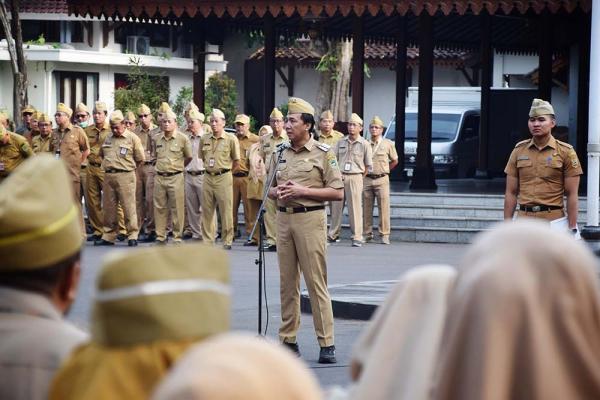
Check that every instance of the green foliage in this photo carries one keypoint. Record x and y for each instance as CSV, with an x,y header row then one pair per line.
x,y
284,109
222,94
367,70
328,63
183,98
142,88
39,41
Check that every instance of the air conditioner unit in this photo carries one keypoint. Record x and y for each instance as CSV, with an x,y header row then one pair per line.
x,y
138,45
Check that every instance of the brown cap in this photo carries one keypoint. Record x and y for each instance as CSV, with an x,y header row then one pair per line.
x,y
82,108
377,121
41,117
28,109
327,114
298,106
354,118
164,107
62,107
38,230
196,114
217,113
264,130
143,110
100,106
242,119
276,114
540,107
130,116
116,117
169,114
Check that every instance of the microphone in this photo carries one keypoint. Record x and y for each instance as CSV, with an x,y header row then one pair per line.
x,y
282,146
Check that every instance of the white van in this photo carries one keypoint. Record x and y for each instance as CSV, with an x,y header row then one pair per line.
x,y
454,132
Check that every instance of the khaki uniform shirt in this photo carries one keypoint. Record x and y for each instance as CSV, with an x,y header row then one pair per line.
x,y
245,142
541,173
268,147
13,153
219,153
146,139
171,152
122,152
384,151
332,138
313,165
95,138
354,157
71,142
196,165
35,342
42,144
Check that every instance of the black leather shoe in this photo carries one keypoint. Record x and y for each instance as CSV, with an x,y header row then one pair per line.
x,y
103,242
121,237
327,355
293,347
251,243
93,238
151,237
132,243
227,246
160,243
270,247
187,235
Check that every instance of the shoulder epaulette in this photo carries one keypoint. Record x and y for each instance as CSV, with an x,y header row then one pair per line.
x,y
522,142
323,146
564,144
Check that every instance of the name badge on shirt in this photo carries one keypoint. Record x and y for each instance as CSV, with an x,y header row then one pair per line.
x,y
347,166
123,151
211,162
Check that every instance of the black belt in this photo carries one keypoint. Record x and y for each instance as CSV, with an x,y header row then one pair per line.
x,y
352,173
294,210
538,208
168,173
115,171
221,172
94,164
372,176
195,173
240,174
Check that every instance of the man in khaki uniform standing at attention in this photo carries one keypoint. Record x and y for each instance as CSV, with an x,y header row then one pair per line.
x,y
194,175
306,177
268,149
220,154
82,120
121,153
70,144
42,142
355,158
240,173
326,132
377,182
144,193
96,135
541,170
173,152
14,149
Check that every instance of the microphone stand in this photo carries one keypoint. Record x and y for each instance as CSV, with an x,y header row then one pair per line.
x,y
259,224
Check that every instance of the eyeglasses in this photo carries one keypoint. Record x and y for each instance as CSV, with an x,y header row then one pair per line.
x,y
143,115
80,116
129,122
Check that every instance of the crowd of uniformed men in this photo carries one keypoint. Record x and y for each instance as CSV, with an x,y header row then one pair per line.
x,y
143,181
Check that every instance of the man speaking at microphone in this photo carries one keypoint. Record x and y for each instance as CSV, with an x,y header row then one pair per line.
x,y
306,176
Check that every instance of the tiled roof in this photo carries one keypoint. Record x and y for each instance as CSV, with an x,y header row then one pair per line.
x,y
376,54
44,6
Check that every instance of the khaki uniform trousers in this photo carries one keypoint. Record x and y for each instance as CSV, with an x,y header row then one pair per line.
x,y
302,248
217,192
77,198
271,221
240,193
377,189
82,186
353,188
144,197
93,198
193,203
169,197
119,190
549,215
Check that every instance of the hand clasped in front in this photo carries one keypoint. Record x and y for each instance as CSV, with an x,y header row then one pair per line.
x,y
290,190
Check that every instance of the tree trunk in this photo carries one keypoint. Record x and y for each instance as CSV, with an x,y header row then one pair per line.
x,y
339,98
323,46
14,40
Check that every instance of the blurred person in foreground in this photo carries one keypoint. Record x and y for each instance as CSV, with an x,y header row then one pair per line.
x,y
523,319
239,366
40,243
151,305
396,354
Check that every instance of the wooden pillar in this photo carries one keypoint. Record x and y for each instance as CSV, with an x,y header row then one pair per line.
x,y
358,72
199,68
424,177
269,70
545,58
487,61
400,115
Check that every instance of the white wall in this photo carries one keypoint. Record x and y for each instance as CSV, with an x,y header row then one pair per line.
x,y
235,52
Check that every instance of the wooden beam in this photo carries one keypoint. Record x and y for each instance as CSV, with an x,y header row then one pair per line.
x,y
401,78
545,58
424,176
358,62
199,78
291,78
269,71
487,64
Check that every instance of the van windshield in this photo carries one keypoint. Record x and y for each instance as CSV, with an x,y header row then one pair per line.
x,y
443,129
